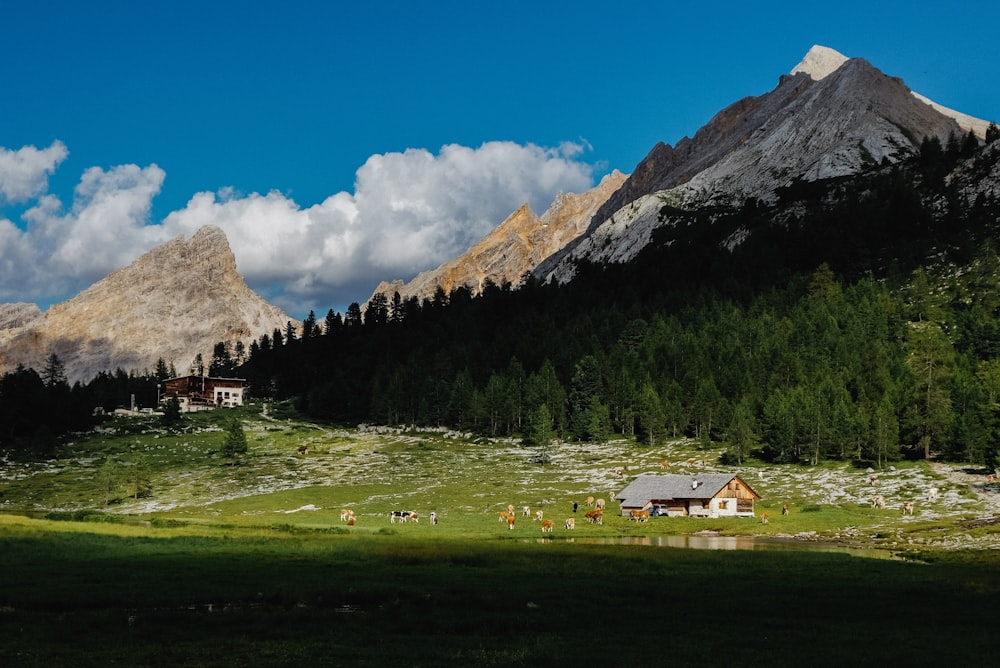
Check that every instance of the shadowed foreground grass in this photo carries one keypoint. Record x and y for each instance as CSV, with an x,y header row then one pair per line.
x,y
77,594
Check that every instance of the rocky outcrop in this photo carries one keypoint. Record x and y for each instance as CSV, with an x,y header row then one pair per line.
x,y
14,316
514,248
174,302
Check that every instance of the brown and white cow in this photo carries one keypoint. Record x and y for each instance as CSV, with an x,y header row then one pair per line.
x,y
908,508
590,500
526,511
599,504
571,523
595,516
547,526
538,515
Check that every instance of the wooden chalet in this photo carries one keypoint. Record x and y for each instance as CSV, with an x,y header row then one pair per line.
x,y
702,495
200,392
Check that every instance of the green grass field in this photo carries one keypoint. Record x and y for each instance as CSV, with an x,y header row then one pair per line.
x,y
250,565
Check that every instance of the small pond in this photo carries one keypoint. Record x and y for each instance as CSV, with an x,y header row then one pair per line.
x,y
713,542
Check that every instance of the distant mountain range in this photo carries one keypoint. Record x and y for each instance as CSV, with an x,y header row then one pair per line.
x,y
831,117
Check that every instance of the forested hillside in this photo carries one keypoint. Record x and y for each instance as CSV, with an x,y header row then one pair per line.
x,y
852,318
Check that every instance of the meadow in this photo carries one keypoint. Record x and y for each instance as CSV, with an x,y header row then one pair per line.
x,y
250,564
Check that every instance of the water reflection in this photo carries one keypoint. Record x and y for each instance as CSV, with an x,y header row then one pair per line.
x,y
711,542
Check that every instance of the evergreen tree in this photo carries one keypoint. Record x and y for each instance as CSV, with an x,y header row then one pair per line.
x,y
54,373
930,358
235,444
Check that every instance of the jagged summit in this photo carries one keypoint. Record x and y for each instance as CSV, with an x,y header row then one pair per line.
x,y
819,62
514,248
174,302
833,116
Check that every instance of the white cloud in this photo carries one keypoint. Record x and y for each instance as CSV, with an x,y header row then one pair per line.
x,y
25,173
410,211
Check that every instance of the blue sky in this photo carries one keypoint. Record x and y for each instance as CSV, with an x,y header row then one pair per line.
x,y
339,144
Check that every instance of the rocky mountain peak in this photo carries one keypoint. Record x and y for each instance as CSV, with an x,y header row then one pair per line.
x,y
819,62
516,247
833,116
174,302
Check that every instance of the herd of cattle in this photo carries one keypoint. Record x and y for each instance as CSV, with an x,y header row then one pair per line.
x,y
594,516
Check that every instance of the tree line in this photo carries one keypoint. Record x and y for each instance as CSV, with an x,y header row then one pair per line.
x,y
859,319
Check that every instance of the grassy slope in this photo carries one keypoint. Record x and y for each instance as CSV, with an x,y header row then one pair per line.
x,y
251,564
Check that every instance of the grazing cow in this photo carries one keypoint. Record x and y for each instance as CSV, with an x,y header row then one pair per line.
x,y
639,515
595,516
346,514
510,521
434,517
526,511
571,523
908,508
765,517
590,500
665,465
785,510
538,515
504,516
872,479
402,516
878,501
414,517
547,526
599,504
510,508
932,494
303,449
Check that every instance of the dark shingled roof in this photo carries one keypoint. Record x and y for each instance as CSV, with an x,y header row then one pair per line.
x,y
674,486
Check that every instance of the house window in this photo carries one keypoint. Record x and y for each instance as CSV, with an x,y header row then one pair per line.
x,y
705,505
723,504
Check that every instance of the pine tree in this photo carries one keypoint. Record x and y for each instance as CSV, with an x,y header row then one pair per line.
x,y
235,445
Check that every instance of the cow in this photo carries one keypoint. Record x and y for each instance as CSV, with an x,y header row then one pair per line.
x,y
510,508
599,504
908,508
785,510
547,526
346,514
510,521
639,515
932,494
402,516
590,500
595,516
538,515
303,449
570,523
878,501
526,511
764,517
872,479
665,465
434,517
504,515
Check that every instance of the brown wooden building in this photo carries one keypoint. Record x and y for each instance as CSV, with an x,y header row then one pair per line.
x,y
704,495
197,392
